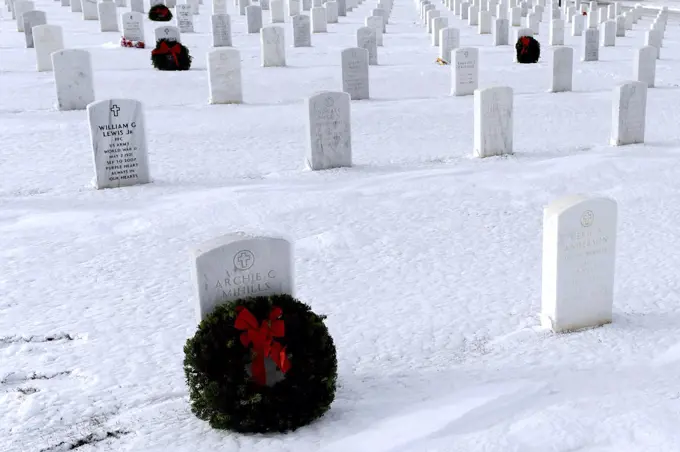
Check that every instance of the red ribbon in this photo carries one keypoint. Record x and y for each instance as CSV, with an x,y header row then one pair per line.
x,y
525,44
164,49
585,13
261,338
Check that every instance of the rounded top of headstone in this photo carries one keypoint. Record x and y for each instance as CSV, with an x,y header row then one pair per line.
x,y
234,237
566,203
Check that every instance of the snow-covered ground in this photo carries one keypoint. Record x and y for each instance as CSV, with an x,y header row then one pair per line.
x,y
426,261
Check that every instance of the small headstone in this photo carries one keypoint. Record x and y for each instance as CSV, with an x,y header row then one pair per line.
x,y
277,15
224,76
533,23
376,23
342,8
562,70
272,40
516,17
195,6
439,23
221,30
185,19
629,114
473,15
242,5
319,24
592,20
653,38
501,11
123,3
73,79
501,30
493,132
629,18
90,10
579,243
523,32
65,2
21,7
577,25
136,6
355,73
464,71
331,12
32,19
366,39
302,31
590,46
237,266
46,40
293,8
118,142
620,27
484,26
108,17
556,32
644,65
167,32
254,18
76,6
385,15
329,136
133,26
465,11
609,34
265,5
449,39
307,5
219,6
429,17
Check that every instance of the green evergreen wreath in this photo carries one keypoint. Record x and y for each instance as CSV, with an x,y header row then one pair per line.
x,y
221,370
170,55
160,13
528,50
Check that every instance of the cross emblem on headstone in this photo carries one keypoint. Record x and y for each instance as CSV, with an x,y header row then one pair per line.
x,y
243,260
115,109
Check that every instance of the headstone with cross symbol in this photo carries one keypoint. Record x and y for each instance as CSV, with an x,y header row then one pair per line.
x,y
119,143
579,245
239,265
329,131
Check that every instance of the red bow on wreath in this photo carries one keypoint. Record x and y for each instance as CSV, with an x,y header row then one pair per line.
x,y
164,49
585,13
262,340
525,44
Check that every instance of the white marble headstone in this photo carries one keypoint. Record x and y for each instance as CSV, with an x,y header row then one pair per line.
x,y
501,32
242,5
136,6
516,17
473,15
237,266
329,132
108,17
90,10
21,7
577,22
608,33
221,30
119,143
629,114
562,69
484,25
366,39
579,247
169,32
73,79
302,31
644,65
319,24
464,71
219,7
355,73
331,12
46,40
273,48
76,6
493,129
32,19
293,7
254,18
376,23
590,45
653,39
133,26
438,24
556,36
184,18
224,76
277,15
449,39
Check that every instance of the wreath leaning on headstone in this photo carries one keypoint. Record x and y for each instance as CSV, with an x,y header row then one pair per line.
x,y
160,13
261,364
528,50
170,55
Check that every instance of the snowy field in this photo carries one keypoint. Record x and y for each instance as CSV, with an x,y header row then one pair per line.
x,y
426,261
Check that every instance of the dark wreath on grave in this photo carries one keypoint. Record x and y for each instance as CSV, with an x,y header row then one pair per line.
x,y
528,50
160,13
261,364
170,55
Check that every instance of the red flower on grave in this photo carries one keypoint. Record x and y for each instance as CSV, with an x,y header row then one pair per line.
x,y
525,44
261,339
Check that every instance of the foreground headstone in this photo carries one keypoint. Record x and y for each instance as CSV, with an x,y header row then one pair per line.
x,y
168,32
329,133
355,73
46,40
239,266
579,245
590,47
118,142
73,79
366,39
302,31
449,39
493,132
32,19
185,18
562,70
272,41
629,114
644,65
464,71
319,24
224,76
221,30
108,17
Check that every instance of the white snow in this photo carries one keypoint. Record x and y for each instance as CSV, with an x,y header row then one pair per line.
x,y
426,261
